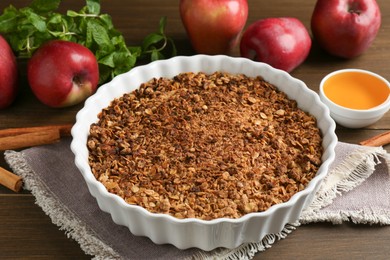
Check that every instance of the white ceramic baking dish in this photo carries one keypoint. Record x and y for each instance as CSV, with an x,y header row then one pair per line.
x,y
191,232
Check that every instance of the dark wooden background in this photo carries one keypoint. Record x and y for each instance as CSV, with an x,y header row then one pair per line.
x,y
26,232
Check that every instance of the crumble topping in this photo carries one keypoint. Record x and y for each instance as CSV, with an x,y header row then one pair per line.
x,y
205,146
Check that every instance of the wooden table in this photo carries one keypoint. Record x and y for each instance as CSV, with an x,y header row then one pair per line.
x,y
26,232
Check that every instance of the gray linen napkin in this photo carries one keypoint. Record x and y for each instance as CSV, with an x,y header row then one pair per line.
x,y
356,189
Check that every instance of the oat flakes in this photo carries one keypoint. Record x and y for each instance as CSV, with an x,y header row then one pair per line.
x,y
205,146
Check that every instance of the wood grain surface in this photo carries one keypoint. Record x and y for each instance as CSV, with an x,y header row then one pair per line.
x,y
27,233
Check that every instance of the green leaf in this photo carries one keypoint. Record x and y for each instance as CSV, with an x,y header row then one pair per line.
x,y
118,40
154,55
121,70
79,25
29,27
124,59
99,34
18,43
108,60
93,6
72,13
44,6
8,20
151,40
135,50
37,21
107,21
55,19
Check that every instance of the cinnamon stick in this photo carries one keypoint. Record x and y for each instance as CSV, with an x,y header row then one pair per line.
x,y
63,129
10,180
378,140
16,138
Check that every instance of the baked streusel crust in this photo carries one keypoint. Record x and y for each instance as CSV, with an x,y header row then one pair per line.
x,y
205,146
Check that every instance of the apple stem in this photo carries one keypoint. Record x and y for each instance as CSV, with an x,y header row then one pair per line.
x,y
77,81
354,8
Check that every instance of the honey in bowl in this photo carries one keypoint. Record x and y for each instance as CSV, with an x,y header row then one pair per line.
x,y
356,89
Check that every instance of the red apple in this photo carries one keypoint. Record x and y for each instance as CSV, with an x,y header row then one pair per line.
x,y
345,28
62,73
8,74
214,26
282,42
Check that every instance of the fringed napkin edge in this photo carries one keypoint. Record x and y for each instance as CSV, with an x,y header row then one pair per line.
x,y
361,164
74,228
249,250
58,213
355,168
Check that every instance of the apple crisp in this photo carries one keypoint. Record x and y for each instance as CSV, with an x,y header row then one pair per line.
x,y
205,146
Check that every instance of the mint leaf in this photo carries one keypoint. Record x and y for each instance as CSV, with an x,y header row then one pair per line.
x,y
93,6
155,55
151,40
9,20
157,45
135,50
72,13
37,21
55,19
108,60
99,35
26,29
106,21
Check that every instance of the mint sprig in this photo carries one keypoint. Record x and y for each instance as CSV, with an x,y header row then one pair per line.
x,y
27,28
